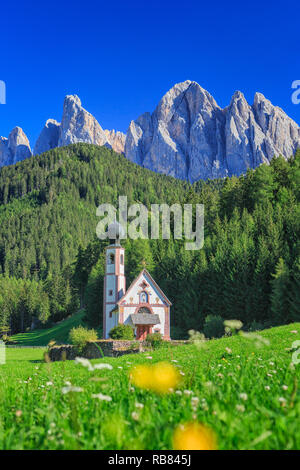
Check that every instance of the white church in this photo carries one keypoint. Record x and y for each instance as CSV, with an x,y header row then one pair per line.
x,y
143,306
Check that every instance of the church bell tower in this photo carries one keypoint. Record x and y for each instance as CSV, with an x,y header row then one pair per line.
x,y
114,285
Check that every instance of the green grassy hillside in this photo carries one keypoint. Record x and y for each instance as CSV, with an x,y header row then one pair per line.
x,y
58,333
244,389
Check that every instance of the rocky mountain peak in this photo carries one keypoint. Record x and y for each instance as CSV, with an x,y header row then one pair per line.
x,y
190,137
15,148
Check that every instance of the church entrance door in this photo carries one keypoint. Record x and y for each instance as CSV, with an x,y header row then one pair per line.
x,y
142,332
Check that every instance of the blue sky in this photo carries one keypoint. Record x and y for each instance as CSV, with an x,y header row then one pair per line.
x,y
121,57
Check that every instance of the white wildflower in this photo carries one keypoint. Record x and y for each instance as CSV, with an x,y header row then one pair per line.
x,y
267,387
103,366
100,396
244,396
240,408
139,405
285,387
71,389
84,362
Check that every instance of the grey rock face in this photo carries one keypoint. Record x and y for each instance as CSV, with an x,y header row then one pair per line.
x,y
78,125
48,138
116,139
15,148
190,137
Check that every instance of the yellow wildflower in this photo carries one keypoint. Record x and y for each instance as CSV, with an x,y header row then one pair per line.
x,y
160,378
141,376
194,436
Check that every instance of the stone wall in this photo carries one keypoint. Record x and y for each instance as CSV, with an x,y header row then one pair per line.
x,y
100,348
97,349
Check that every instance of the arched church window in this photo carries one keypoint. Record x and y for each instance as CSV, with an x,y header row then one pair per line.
x,y
144,310
143,297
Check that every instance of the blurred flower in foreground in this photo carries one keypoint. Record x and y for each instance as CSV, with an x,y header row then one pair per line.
x,y
160,377
194,436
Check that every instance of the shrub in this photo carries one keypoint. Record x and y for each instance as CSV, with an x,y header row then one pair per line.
x,y
213,326
80,336
154,340
121,331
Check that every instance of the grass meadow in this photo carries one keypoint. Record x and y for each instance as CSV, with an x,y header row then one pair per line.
x,y
244,389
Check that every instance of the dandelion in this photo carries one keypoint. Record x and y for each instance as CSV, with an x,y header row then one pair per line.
x,y
102,397
194,436
71,389
244,396
141,376
165,376
160,377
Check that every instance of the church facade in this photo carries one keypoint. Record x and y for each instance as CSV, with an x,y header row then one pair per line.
x,y
143,305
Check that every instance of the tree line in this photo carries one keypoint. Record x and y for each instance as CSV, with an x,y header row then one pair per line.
x,y
249,267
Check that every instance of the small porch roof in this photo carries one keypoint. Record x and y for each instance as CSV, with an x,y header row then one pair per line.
x,y
145,319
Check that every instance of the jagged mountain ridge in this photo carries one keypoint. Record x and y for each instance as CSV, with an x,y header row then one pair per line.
x,y
187,136
190,137
77,125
